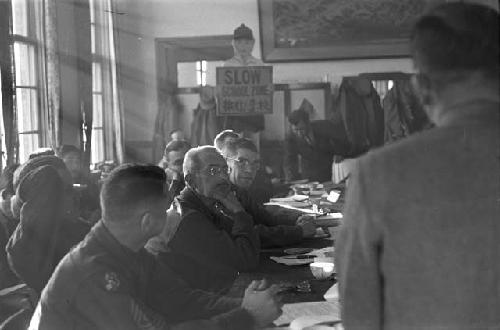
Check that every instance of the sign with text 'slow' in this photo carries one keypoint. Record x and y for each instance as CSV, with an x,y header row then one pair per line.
x,y
244,90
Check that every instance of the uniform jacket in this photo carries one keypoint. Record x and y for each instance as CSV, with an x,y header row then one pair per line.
x,y
317,159
210,247
103,285
420,247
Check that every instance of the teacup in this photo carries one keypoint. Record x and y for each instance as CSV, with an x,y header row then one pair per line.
x,y
322,270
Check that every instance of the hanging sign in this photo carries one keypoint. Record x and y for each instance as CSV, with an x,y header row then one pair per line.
x,y
244,90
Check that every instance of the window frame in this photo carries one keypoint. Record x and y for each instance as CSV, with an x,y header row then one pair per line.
x,y
98,136
35,65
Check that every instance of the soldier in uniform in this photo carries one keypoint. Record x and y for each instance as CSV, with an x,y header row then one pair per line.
x,y
110,282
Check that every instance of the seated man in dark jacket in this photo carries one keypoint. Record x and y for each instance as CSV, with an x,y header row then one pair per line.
x,y
173,157
110,282
7,225
243,161
215,238
316,142
49,226
86,192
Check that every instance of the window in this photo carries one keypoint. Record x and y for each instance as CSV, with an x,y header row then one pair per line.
x,y
97,146
26,78
382,87
201,73
3,146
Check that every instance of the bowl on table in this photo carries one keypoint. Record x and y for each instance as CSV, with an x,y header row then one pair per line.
x,y
322,270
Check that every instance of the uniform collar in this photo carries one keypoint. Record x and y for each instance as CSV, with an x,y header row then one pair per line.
x,y
120,253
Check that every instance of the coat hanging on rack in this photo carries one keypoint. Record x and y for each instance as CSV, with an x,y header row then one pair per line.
x,y
402,112
362,114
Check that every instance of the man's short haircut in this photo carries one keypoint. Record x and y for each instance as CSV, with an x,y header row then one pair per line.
x,y
220,139
192,160
457,37
66,149
297,116
129,186
241,143
33,164
177,145
42,152
174,131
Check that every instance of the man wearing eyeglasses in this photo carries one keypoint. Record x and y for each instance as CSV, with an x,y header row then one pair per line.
x,y
215,238
243,161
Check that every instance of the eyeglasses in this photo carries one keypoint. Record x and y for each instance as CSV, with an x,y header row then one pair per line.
x,y
217,171
243,162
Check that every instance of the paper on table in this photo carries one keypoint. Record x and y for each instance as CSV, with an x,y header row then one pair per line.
x,y
333,196
315,308
333,293
316,323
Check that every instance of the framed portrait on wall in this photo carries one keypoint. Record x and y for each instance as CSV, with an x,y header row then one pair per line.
x,y
301,30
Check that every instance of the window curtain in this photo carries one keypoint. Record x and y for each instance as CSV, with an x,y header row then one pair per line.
x,y
49,73
107,46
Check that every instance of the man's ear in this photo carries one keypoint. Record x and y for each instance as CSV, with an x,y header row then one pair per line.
x,y
147,223
189,179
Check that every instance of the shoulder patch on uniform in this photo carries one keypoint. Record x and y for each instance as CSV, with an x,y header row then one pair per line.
x,y
111,281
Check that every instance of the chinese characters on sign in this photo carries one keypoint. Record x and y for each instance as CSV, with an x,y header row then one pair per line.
x,y
243,91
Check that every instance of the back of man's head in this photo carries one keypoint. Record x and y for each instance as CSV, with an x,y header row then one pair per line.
x,y
42,152
455,39
176,145
39,161
222,138
130,187
297,116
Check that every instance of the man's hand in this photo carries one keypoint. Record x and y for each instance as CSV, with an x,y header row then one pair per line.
x,y
304,218
230,202
261,302
308,229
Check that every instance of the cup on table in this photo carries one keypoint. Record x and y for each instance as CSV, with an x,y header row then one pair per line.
x,y
322,270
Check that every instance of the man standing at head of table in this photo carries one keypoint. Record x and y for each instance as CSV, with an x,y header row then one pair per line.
x,y
420,247
316,142
248,126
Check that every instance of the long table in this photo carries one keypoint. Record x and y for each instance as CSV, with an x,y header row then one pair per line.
x,y
277,273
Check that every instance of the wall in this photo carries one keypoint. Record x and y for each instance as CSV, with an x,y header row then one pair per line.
x,y
140,22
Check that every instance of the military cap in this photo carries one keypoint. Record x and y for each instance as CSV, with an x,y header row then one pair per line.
x,y
243,32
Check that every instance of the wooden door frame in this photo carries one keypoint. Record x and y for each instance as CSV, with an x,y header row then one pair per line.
x,y
166,63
